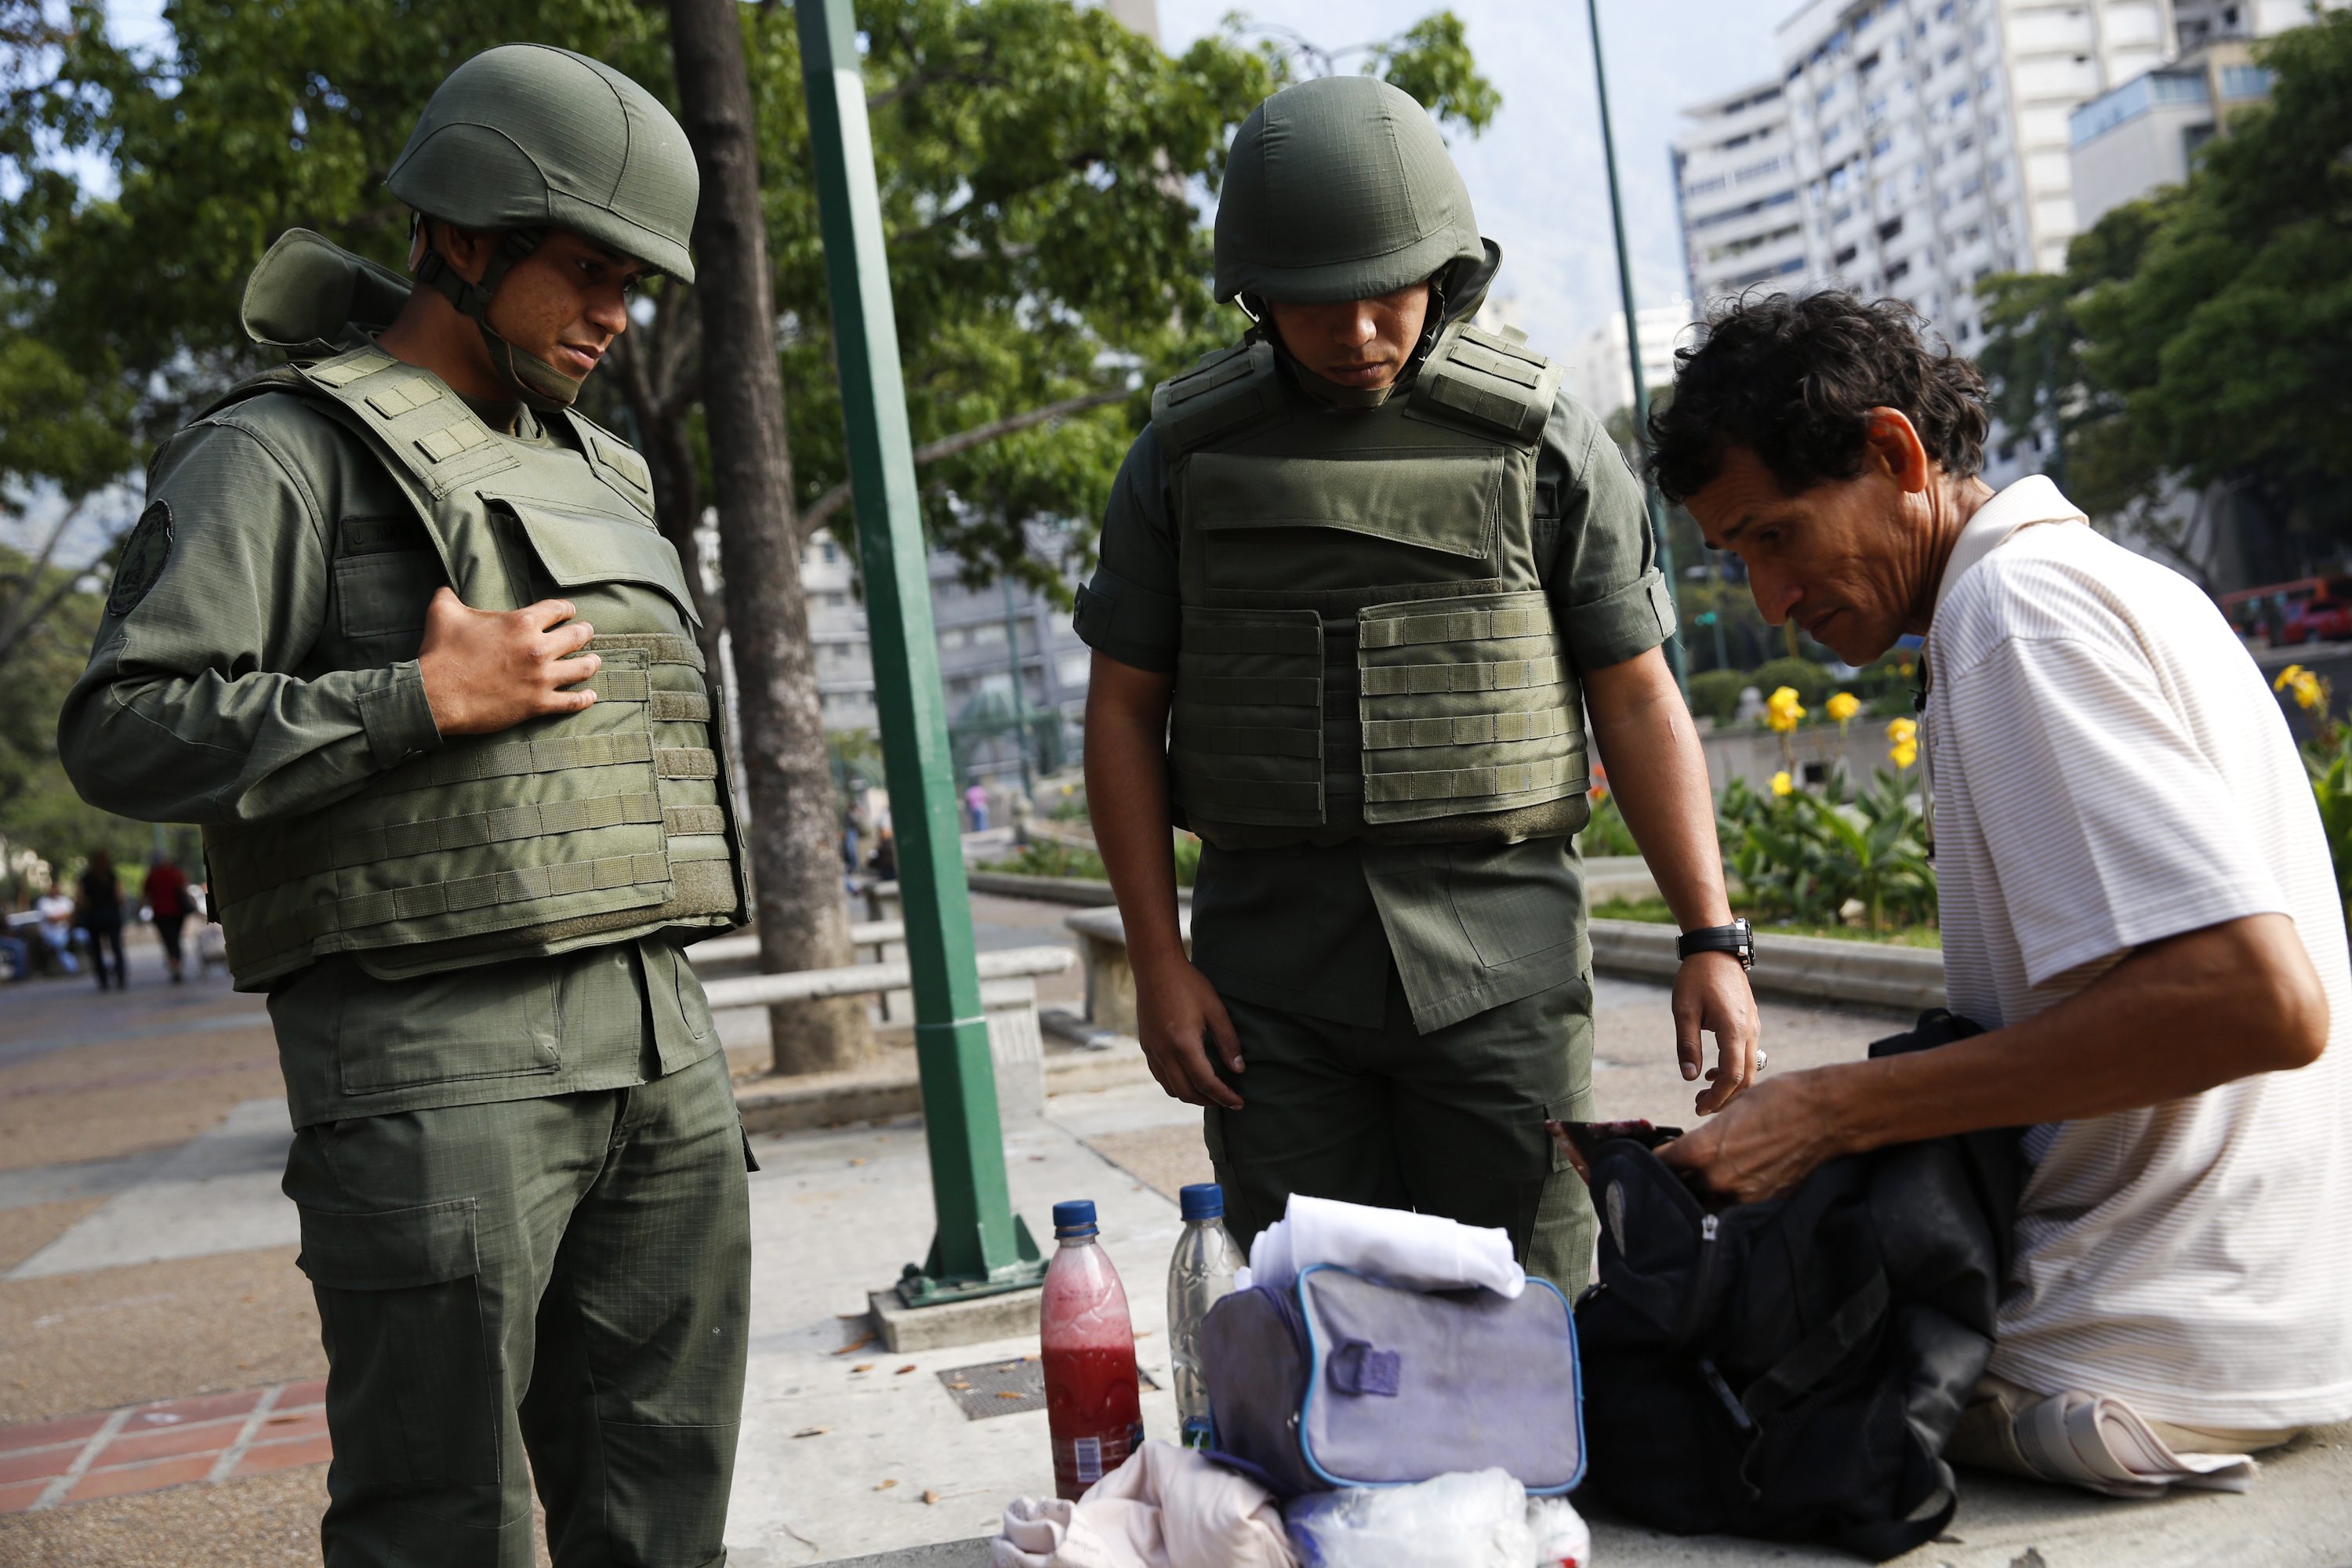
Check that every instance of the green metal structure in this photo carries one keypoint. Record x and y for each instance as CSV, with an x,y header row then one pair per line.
x,y
981,1246
1673,646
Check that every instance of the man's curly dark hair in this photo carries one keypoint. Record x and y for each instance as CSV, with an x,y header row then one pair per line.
x,y
1792,378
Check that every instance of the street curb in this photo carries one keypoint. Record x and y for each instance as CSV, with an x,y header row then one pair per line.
x,y
830,1099
1813,968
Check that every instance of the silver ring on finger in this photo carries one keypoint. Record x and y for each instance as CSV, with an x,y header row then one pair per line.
x,y
1763,1056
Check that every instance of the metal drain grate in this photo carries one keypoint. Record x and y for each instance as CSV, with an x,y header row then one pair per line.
x,y
1003,1388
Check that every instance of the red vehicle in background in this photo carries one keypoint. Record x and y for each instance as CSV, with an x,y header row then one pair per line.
x,y
2289,615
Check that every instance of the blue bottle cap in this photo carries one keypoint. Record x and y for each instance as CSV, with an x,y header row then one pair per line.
x,y
1076,1217
1202,1200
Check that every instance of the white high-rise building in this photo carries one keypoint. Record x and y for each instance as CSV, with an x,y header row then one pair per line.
x,y
1600,374
1736,189
1913,147
1931,135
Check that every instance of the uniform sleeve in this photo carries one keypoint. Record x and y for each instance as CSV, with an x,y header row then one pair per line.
x,y
1130,611
1613,602
188,712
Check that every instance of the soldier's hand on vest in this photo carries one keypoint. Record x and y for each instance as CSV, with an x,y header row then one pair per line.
x,y
1181,1020
487,670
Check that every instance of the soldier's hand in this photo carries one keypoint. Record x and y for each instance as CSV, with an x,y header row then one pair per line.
x,y
487,670
1180,1019
1711,994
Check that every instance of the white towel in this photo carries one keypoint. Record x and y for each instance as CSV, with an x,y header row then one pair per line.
x,y
1418,1251
2100,1443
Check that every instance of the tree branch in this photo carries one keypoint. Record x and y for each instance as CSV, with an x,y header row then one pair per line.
x,y
817,514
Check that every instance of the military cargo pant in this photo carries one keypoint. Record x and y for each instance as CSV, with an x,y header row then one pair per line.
x,y
1449,1123
563,1279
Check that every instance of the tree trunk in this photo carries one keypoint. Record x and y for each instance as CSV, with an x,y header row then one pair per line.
x,y
795,835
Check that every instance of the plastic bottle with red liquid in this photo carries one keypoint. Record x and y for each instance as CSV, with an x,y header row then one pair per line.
x,y
1093,1402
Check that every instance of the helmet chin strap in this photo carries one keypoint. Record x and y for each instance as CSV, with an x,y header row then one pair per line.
x,y
533,381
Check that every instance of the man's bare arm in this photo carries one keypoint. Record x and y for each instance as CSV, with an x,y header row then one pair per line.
x,y
1177,1013
2175,1018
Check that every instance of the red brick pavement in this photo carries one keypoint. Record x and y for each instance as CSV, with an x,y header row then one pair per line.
x,y
172,1443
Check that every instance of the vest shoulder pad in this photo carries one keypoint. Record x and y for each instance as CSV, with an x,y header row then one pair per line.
x,y
428,430
1489,383
614,461
1222,392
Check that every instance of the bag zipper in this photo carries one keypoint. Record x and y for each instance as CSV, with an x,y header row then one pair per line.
x,y
1702,1278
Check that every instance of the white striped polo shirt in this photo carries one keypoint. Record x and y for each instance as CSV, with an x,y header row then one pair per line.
x,y
2109,769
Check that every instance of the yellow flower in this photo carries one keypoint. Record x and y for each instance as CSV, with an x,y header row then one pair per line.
x,y
1905,735
1843,706
1782,710
2288,677
1782,783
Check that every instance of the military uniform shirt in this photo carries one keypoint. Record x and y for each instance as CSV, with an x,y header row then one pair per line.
x,y
1468,926
219,695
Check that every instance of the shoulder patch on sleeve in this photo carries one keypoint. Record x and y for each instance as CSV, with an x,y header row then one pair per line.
x,y
141,560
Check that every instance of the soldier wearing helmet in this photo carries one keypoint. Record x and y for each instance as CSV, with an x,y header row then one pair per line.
x,y
1361,581
397,630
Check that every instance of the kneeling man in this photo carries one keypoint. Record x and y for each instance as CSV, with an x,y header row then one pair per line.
x,y
2138,906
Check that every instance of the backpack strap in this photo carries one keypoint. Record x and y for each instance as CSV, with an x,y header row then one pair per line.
x,y
1820,1352
1489,383
1221,393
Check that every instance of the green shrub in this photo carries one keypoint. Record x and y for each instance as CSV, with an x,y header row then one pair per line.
x,y
1805,856
1607,834
2330,762
1715,693
1811,680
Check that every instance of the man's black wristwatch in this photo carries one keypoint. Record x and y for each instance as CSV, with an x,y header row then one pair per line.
x,y
1737,939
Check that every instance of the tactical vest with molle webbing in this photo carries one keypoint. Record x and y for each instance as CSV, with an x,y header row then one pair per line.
x,y
1368,651
562,831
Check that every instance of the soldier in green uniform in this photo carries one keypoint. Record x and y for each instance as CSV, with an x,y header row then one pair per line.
x,y
1376,567
397,630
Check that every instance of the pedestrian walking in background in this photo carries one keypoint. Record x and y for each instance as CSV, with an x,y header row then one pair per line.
x,y
168,905
975,801
99,913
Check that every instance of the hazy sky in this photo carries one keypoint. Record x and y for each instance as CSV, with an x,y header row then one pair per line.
x,y
1536,177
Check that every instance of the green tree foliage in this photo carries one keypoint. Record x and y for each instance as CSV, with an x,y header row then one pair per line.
x,y
40,814
2203,335
1040,167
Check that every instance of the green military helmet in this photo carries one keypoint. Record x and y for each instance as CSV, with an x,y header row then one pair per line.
x,y
1340,188
525,137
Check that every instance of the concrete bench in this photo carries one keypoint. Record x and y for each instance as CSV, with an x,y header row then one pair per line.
x,y
1008,998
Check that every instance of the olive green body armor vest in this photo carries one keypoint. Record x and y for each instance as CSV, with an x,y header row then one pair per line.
x,y
563,832
1367,649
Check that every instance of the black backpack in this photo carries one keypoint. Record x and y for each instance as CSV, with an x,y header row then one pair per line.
x,y
1791,1370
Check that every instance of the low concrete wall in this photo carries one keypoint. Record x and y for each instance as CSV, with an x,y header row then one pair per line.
x,y
1868,973
1111,979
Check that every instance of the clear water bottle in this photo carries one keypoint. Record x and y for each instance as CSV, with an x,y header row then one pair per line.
x,y
1093,1405
1199,1275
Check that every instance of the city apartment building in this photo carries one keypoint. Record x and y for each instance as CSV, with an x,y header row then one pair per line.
x,y
1915,147
1600,374
977,628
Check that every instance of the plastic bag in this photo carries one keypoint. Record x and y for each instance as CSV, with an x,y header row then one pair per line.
x,y
1561,1538
1473,1519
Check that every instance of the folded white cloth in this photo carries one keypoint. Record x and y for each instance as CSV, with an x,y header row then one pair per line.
x,y
1418,1251
1166,1508
2100,1443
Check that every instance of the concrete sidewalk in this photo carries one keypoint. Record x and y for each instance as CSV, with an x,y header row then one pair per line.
x,y
863,1457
